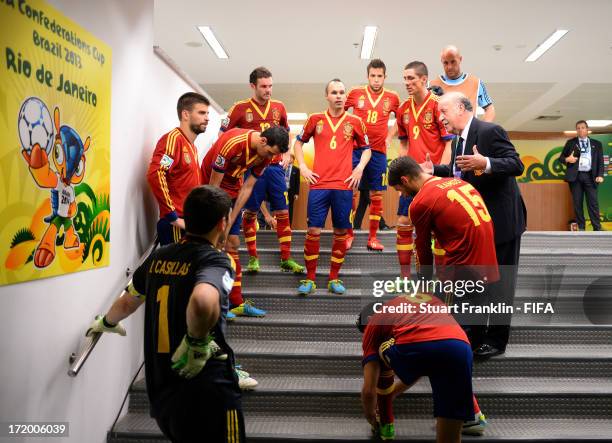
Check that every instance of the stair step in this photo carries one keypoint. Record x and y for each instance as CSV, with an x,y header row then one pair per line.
x,y
587,241
342,359
568,306
548,279
526,329
498,397
140,428
593,262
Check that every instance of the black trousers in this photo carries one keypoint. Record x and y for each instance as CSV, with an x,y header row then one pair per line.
x,y
502,292
585,185
364,202
198,412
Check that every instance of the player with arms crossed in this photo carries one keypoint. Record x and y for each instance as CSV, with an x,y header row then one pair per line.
x,y
331,180
260,113
225,164
185,289
422,137
373,103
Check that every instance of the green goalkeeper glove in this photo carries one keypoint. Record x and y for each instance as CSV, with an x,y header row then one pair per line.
x,y
101,325
191,356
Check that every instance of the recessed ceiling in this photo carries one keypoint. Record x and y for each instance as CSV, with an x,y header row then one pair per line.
x,y
305,44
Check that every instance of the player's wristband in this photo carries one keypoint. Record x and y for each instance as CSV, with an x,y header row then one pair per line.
x,y
193,341
107,324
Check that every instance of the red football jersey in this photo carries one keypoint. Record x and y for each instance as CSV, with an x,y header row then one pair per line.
x,y
334,138
422,317
247,114
458,217
374,110
421,126
173,172
232,155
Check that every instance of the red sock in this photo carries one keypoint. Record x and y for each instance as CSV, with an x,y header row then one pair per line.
x,y
384,388
283,232
337,257
235,295
476,407
376,210
405,247
249,227
311,254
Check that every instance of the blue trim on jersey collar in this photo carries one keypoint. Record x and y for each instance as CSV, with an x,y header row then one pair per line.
x,y
455,81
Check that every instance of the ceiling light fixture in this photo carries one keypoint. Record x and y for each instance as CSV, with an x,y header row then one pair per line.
x,y
212,41
546,45
369,38
296,116
599,123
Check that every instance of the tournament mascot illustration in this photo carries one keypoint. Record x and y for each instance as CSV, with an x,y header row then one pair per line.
x,y
39,141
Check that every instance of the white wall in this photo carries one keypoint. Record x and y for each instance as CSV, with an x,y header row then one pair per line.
x,y
42,322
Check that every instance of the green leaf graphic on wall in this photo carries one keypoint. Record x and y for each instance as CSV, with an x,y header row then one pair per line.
x,y
550,169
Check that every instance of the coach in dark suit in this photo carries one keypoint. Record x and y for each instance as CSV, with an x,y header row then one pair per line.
x,y
585,169
484,156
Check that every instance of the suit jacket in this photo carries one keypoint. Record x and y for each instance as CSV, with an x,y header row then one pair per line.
x,y
498,188
597,163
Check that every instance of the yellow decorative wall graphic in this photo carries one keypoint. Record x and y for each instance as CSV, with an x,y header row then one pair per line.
x,y
55,91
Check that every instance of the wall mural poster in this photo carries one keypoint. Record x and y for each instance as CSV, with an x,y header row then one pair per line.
x,y
55,91
541,160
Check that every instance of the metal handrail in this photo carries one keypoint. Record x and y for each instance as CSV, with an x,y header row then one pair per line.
x,y
77,360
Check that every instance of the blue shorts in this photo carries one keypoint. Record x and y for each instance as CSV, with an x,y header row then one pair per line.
x,y
271,187
375,172
319,202
404,204
447,363
235,230
167,233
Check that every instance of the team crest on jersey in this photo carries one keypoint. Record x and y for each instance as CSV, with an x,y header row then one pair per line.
x,y
225,122
186,156
248,116
406,118
220,161
320,127
275,115
386,104
428,118
361,102
348,131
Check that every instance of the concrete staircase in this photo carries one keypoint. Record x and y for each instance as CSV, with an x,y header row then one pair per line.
x,y
553,384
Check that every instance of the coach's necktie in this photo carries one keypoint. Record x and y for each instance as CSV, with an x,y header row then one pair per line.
x,y
584,145
458,151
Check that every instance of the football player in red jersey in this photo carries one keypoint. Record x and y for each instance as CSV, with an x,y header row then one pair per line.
x,y
456,214
421,134
260,113
174,169
373,103
332,180
225,164
414,336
